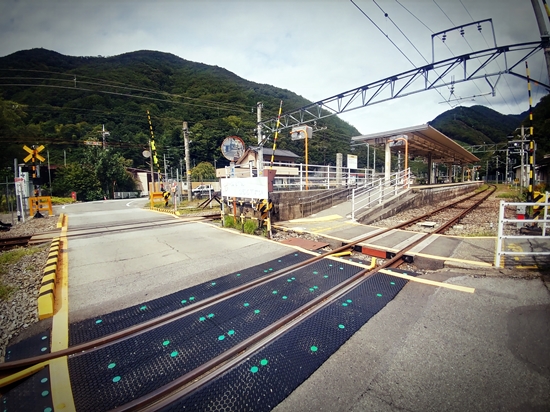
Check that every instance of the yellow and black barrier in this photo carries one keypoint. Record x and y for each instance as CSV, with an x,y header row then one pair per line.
x,y
40,204
538,197
46,296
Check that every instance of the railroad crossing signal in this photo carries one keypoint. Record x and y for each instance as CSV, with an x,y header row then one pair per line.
x,y
33,153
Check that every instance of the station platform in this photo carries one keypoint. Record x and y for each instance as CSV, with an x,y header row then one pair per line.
x,y
335,226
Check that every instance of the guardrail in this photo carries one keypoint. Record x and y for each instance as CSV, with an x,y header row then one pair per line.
x,y
375,192
298,176
541,209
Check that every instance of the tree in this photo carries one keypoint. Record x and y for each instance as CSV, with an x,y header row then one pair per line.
x,y
79,178
203,170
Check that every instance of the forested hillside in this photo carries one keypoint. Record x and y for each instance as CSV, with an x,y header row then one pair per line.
x,y
63,102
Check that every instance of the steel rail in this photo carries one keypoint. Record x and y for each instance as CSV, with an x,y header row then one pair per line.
x,y
156,322
200,376
12,242
194,379
129,332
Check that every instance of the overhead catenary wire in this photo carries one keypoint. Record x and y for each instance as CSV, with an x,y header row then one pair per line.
x,y
382,31
386,15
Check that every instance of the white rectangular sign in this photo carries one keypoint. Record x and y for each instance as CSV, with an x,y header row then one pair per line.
x,y
245,187
352,161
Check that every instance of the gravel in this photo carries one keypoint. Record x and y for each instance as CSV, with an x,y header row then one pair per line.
x,y
18,310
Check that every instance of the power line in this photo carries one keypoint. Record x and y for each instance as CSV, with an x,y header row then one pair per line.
x,y
382,31
400,31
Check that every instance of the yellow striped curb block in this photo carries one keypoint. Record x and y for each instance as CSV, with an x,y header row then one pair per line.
x,y
46,296
158,209
61,221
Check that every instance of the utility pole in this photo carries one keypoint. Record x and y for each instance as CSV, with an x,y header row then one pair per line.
x,y
522,152
260,159
185,132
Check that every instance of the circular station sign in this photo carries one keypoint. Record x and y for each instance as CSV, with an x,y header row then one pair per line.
x,y
232,148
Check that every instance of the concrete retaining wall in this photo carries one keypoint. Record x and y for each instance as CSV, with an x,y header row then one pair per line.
x,y
418,196
298,204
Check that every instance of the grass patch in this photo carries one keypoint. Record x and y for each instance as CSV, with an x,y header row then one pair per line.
x,y
229,222
6,291
13,256
62,200
250,226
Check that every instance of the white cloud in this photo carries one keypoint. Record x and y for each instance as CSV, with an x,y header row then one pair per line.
x,y
314,48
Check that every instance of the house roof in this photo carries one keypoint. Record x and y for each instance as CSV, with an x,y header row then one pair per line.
x,y
280,152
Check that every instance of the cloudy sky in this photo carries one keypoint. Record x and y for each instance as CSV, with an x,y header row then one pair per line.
x,y
315,48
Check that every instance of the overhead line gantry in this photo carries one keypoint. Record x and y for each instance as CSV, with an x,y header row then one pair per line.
x,y
407,83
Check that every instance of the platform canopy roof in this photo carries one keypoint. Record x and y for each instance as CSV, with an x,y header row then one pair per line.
x,y
423,141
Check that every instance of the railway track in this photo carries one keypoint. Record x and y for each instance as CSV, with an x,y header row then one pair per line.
x,y
190,380
13,242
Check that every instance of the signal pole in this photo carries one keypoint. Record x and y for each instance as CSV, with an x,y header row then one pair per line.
x,y
260,160
185,132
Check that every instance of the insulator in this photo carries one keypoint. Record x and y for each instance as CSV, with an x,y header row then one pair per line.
x,y
462,32
444,37
479,27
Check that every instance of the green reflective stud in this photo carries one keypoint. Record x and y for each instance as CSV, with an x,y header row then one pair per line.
x,y
111,365
191,298
116,379
256,311
285,297
202,319
344,304
97,322
274,292
263,362
326,276
254,369
221,337
45,393
210,316
143,307
246,304
213,283
315,272
314,348
379,295
166,343
238,274
231,332
184,302
174,354
341,326
392,283
349,300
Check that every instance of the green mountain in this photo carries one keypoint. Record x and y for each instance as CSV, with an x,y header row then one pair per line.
x,y
477,125
63,101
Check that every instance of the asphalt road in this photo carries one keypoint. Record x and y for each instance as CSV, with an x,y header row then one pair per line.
x,y
430,349
122,268
433,349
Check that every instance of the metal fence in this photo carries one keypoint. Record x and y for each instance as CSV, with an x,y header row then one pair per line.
x,y
298,176
374,193
535,241
125,195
